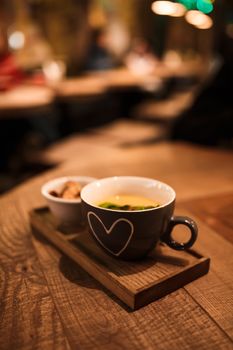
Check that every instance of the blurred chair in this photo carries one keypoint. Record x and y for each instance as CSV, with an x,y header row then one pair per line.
x,y
98,57
164,111
209,120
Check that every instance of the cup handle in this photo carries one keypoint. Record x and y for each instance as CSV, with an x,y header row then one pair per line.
x,y
180,220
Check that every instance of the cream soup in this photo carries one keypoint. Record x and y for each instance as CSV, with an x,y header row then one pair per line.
x,y
128,202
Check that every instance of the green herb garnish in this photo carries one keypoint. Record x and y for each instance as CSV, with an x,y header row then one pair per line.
x,y
108,205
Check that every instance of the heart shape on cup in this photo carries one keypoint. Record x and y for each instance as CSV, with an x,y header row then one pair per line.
x,y
115,239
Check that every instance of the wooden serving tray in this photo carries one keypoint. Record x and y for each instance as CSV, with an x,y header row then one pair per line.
x,y
135,283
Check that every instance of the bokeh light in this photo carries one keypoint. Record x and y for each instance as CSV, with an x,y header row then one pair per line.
x,y
168,8
199,19
189,4
54,71
178,10
16,40
204,6
162,7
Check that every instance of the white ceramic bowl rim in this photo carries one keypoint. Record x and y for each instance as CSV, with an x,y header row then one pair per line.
x,y
53,184
98,183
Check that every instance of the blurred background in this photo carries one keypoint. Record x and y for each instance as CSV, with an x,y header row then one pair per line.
x,y
141,71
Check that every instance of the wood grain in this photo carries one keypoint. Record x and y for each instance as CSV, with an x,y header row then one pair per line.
x,y
215,292
62,307
134,283
216,211
219,279
175,321
27,314
190,170
186,168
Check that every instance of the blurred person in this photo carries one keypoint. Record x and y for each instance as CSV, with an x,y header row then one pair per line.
x,y
10,73
118,38
141,59
210,120
16,131
98,56
36,49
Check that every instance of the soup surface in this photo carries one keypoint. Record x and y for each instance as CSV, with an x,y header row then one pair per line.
x,y
128,202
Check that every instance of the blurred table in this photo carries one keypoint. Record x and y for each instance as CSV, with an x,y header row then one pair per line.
x,y
103,139
81,87
94,84
49,302
97,83
189,68
24,98
123,78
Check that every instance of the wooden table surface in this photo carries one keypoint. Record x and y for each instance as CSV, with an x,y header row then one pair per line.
x,y
25,97
48,302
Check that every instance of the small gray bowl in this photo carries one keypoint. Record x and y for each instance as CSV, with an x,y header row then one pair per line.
x,y
65,210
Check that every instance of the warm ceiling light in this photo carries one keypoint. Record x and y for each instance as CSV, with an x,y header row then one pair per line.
x,y
178,10
207,25
168,8
199,19
162,7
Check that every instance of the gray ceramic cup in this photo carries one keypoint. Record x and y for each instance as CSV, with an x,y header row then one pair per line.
x,y
131,235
